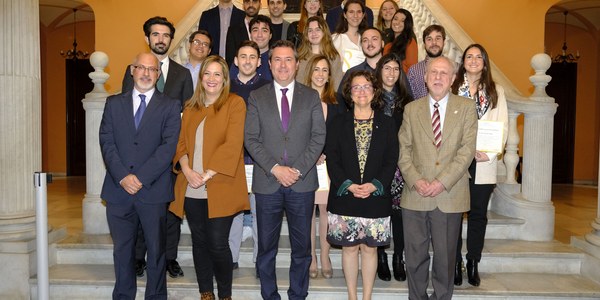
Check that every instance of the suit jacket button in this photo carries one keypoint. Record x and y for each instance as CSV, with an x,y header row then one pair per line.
x,y
131,167
437,163
135,143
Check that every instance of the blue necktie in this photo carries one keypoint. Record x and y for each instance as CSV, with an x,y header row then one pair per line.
x,y
140,112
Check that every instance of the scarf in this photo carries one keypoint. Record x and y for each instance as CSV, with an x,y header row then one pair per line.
x,y
482,100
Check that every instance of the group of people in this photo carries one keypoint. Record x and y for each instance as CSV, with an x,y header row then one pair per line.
x,y
284,102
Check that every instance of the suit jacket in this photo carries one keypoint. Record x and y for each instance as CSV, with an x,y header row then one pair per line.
x,y
222,152
236,34
265,140
342,164
419,157
146,152
211,22
179,84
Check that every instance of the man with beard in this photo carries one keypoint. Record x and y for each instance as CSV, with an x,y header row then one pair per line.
x,y
138,136
240,32
174,81
260,33
200,43
433,39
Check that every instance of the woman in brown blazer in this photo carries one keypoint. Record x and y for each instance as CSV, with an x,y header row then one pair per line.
x,y
211,181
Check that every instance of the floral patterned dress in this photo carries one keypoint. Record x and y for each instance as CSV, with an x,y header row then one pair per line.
x,y
349,230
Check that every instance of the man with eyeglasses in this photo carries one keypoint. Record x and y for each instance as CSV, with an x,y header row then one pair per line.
x,y
138,136
200,43
216,22
175,81
239,32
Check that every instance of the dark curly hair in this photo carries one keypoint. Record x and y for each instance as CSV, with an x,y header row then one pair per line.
x,y
377,102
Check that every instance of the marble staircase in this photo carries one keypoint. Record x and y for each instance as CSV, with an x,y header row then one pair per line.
x,y
510,269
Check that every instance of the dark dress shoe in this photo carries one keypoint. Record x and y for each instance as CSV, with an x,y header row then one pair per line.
x,y
458,273
398,267
473,273
140,266
383,269
174,269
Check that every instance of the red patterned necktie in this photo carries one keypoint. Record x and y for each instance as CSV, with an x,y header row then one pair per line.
x,y
437,126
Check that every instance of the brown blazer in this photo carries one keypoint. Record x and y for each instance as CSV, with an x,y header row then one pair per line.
x,y
222,152
419,158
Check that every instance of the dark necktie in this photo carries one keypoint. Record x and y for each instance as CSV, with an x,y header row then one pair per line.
x,y
285,110
140,112
160,84
436,125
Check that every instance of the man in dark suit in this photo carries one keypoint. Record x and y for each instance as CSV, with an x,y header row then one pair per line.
x,y
217,21
334,13
239,32
437,145
284,134
176,83
138,137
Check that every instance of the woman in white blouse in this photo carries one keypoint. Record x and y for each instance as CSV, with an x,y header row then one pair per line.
x,y
346,37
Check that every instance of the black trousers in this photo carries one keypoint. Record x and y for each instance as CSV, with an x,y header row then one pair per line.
x,y
476,218
210,247
172,239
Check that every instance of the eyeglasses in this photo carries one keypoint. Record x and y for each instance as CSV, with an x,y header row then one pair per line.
x,y
144,69
200,43
391,69
358,88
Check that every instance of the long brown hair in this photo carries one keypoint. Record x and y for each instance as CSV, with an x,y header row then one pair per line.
x,y
327,48
380,22
342,25
302,22
198,100
328,94
486,76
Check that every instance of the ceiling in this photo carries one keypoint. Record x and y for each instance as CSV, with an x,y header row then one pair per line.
x,y
581,13
584,14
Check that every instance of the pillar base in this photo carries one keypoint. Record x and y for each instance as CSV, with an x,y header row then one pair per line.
x,y
94,215
590,265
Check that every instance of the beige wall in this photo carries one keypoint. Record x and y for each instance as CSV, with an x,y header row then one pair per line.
x,y
586,123
54,112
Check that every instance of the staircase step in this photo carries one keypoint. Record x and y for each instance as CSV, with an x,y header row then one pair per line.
x,y
95,281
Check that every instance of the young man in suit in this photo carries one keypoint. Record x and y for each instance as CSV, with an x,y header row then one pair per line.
x,y
217,21
239,32
138,137
284,134
176,83
437,145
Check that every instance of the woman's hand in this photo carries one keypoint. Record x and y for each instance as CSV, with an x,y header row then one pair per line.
x,y
481,156
363,190
195,179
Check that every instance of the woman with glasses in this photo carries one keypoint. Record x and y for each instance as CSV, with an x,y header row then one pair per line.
x,y
309,8
316,40
361,160
211,180
474,80
395,95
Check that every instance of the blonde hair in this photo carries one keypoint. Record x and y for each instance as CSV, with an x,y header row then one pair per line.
x,y
380,22
198,100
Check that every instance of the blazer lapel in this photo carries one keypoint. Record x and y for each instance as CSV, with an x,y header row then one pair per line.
x,y
424,117
127,109
451,118
270,99
172,76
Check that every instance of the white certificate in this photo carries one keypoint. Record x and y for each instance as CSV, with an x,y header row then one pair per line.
x,y
489,136
323,177
249,169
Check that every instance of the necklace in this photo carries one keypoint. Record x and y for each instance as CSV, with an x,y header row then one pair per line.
x,y
357,119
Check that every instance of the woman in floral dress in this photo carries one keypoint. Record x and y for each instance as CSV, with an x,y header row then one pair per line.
x,y
362,151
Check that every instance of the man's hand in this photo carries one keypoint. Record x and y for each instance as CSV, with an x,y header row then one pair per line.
x,y
285,175
321,159
421,186
434,189
131,184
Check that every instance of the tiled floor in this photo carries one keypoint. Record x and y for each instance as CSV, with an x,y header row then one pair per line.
x,y
576,207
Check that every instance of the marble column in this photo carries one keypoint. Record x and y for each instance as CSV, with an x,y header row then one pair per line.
x,y
93,209
20,143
